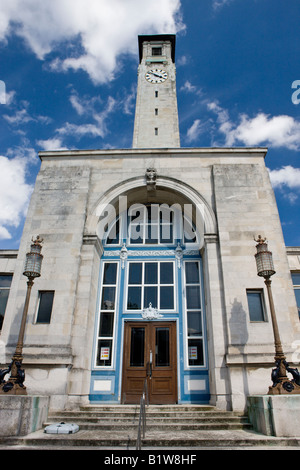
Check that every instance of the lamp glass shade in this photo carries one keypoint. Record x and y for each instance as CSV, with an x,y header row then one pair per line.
x,y
33,262
264,261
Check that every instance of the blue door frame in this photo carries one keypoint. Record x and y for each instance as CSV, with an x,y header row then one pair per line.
x,y
193,381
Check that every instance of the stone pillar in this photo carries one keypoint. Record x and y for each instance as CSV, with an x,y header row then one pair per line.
x,y
84,322
216,328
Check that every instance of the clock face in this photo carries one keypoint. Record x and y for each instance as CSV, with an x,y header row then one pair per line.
x,y
156,76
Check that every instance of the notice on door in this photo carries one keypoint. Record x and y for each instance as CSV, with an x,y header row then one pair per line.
x,y
193,352
104,354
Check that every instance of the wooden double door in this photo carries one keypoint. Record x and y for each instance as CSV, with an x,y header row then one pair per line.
x,y
150,353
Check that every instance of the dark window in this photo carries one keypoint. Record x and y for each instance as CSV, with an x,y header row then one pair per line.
x,y
194,313
137,347
156,51
296,283
162,347
5,282
45,306
156,94
256,305
107,314
150,282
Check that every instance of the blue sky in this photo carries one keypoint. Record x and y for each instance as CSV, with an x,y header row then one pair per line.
x,y
68,75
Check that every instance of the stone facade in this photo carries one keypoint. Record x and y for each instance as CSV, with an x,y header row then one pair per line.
x,y
238,203
78,194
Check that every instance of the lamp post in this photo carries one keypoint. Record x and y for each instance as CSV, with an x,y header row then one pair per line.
x,y
281,383
15,384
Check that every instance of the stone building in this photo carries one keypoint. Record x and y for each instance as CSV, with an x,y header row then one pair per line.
x,y
149,269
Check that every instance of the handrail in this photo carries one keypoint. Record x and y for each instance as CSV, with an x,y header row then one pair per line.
x,y
142,415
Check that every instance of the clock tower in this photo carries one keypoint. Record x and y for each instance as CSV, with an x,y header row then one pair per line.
x,y
156,114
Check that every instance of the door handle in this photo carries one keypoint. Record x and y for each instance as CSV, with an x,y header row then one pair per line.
x,y
149,366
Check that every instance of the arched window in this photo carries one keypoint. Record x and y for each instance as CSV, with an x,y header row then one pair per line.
x,y
152,224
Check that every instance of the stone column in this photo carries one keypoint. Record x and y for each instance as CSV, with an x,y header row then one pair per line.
x,y
216,327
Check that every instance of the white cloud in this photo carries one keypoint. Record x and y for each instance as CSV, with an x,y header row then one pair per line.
x,y
276,131
263,129
22,116
51,144
188,87
194,131
96,129
285,176
218,4
84,105
182,60
105,29
129,101
287,180
14,193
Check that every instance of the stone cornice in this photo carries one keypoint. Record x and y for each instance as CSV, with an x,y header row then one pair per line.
x,y
161,152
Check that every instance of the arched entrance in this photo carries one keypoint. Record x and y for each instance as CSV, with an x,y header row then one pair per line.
x,y
150,321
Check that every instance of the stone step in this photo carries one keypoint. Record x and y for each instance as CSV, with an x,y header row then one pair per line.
x,y
180,408
166,418
84,439
107,426
167,427
91,416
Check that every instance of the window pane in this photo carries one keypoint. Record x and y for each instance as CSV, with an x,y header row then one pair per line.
x,y
136,224
166,214
113,236
194,324
151,235
110,273
189,231
192,272
136,238
135,273
195,352
166,233
45,307
296,279
150,273
104,352
193,297
255,306
167,297
3,301
134,298
150,295
162,354
166,273
108,298
5,280
297,294
137,347
106,324
156,50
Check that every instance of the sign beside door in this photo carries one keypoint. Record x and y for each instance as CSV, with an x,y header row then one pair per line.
x,y
150,354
